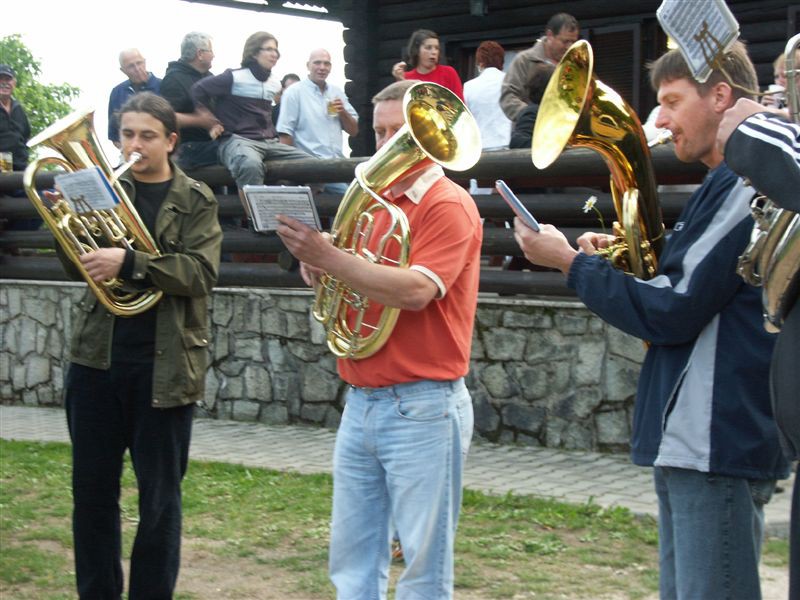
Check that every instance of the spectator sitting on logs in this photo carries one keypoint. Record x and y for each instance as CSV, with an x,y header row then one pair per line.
x,y
199,128
134,65
561,32
314,113
242,100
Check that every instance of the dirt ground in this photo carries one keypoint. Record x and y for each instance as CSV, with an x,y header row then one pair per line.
x,y
207,578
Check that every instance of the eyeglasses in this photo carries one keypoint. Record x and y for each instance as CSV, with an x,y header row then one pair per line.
x,y
270,49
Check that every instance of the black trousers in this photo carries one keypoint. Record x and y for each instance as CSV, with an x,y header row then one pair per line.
x,y
107,413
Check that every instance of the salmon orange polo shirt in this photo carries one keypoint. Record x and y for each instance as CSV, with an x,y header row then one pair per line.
x,y
446,234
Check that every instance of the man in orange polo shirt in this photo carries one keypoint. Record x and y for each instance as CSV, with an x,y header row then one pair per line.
x,y
407,424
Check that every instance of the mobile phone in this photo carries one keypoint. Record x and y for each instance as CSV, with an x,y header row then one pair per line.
x,y
516,205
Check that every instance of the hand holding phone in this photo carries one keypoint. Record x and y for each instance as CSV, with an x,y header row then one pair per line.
x,y
516,205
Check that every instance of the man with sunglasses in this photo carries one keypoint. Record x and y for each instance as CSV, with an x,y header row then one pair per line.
x,y
242,100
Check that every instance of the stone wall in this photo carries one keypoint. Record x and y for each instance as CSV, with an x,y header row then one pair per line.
x,y
543,372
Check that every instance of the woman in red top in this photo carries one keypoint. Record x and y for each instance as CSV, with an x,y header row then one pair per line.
x,y
423,62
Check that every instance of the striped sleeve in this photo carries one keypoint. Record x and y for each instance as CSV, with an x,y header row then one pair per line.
x,y
766,150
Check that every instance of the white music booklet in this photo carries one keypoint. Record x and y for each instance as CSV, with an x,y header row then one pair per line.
x,y
87,189
703,30
265,202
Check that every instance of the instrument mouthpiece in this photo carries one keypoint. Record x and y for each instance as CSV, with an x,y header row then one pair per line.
x,y
133,158
664,136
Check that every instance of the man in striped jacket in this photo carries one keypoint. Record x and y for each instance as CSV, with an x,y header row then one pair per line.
x,y
242,100
702,417
766,149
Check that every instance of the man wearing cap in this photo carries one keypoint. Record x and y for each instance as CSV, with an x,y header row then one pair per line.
x,y
14,127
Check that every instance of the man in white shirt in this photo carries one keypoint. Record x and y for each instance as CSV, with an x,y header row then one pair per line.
x,y
314,113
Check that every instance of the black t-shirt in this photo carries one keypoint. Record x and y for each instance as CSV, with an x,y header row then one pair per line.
x,y
135,337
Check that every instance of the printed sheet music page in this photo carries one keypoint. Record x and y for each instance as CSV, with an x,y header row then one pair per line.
x,y
264,202
702,31
86,190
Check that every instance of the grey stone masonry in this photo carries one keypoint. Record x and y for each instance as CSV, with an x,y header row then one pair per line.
x,y
542,373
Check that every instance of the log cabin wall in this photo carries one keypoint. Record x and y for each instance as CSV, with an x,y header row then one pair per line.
x,y
625,36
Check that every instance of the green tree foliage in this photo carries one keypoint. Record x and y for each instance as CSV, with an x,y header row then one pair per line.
x,y
43,103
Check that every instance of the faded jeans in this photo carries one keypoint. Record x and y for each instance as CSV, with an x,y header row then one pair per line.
x,y
710,532
398,459
244,157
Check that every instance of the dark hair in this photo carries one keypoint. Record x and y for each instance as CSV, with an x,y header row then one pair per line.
x,y
738,68
538,82
153,105
490,54
287,77
561,21
253,45
414,43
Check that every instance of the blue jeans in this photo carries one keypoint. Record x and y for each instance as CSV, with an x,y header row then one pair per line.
x,y
398,458
244,157
710,532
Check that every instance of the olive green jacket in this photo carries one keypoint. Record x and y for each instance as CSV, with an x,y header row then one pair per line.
x,y
189,238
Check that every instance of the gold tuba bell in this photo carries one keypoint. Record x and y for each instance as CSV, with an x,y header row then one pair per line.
x,y
772,258
438,128
82,229
580,111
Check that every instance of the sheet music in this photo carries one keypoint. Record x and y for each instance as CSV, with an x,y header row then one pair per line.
x,y
702,30
267,201
86,190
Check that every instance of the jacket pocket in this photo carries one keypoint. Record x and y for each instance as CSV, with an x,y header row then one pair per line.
x,y
195,347
88,330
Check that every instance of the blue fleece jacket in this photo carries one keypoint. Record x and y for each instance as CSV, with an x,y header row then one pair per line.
x,y
703,396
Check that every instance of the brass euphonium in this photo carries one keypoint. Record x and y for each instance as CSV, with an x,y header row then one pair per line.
x,y
772,258
80,231
438,128
580,111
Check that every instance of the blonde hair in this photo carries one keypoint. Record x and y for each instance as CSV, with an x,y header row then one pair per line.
x,y
394,91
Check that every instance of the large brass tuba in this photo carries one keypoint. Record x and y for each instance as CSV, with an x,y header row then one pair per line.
x,y
81,231
578,110
438,128
772,258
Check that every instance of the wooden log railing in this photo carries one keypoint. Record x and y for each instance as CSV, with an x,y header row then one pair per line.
x,y
556,196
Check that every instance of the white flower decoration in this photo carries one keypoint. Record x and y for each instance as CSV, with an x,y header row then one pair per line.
x,y
590,202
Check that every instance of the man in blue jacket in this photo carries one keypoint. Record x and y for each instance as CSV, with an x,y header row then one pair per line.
x,y
702,417
133,64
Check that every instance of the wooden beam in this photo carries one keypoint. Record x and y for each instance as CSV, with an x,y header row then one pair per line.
x,y
273,8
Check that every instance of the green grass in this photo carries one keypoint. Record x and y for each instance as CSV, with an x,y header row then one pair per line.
x,y
271,529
